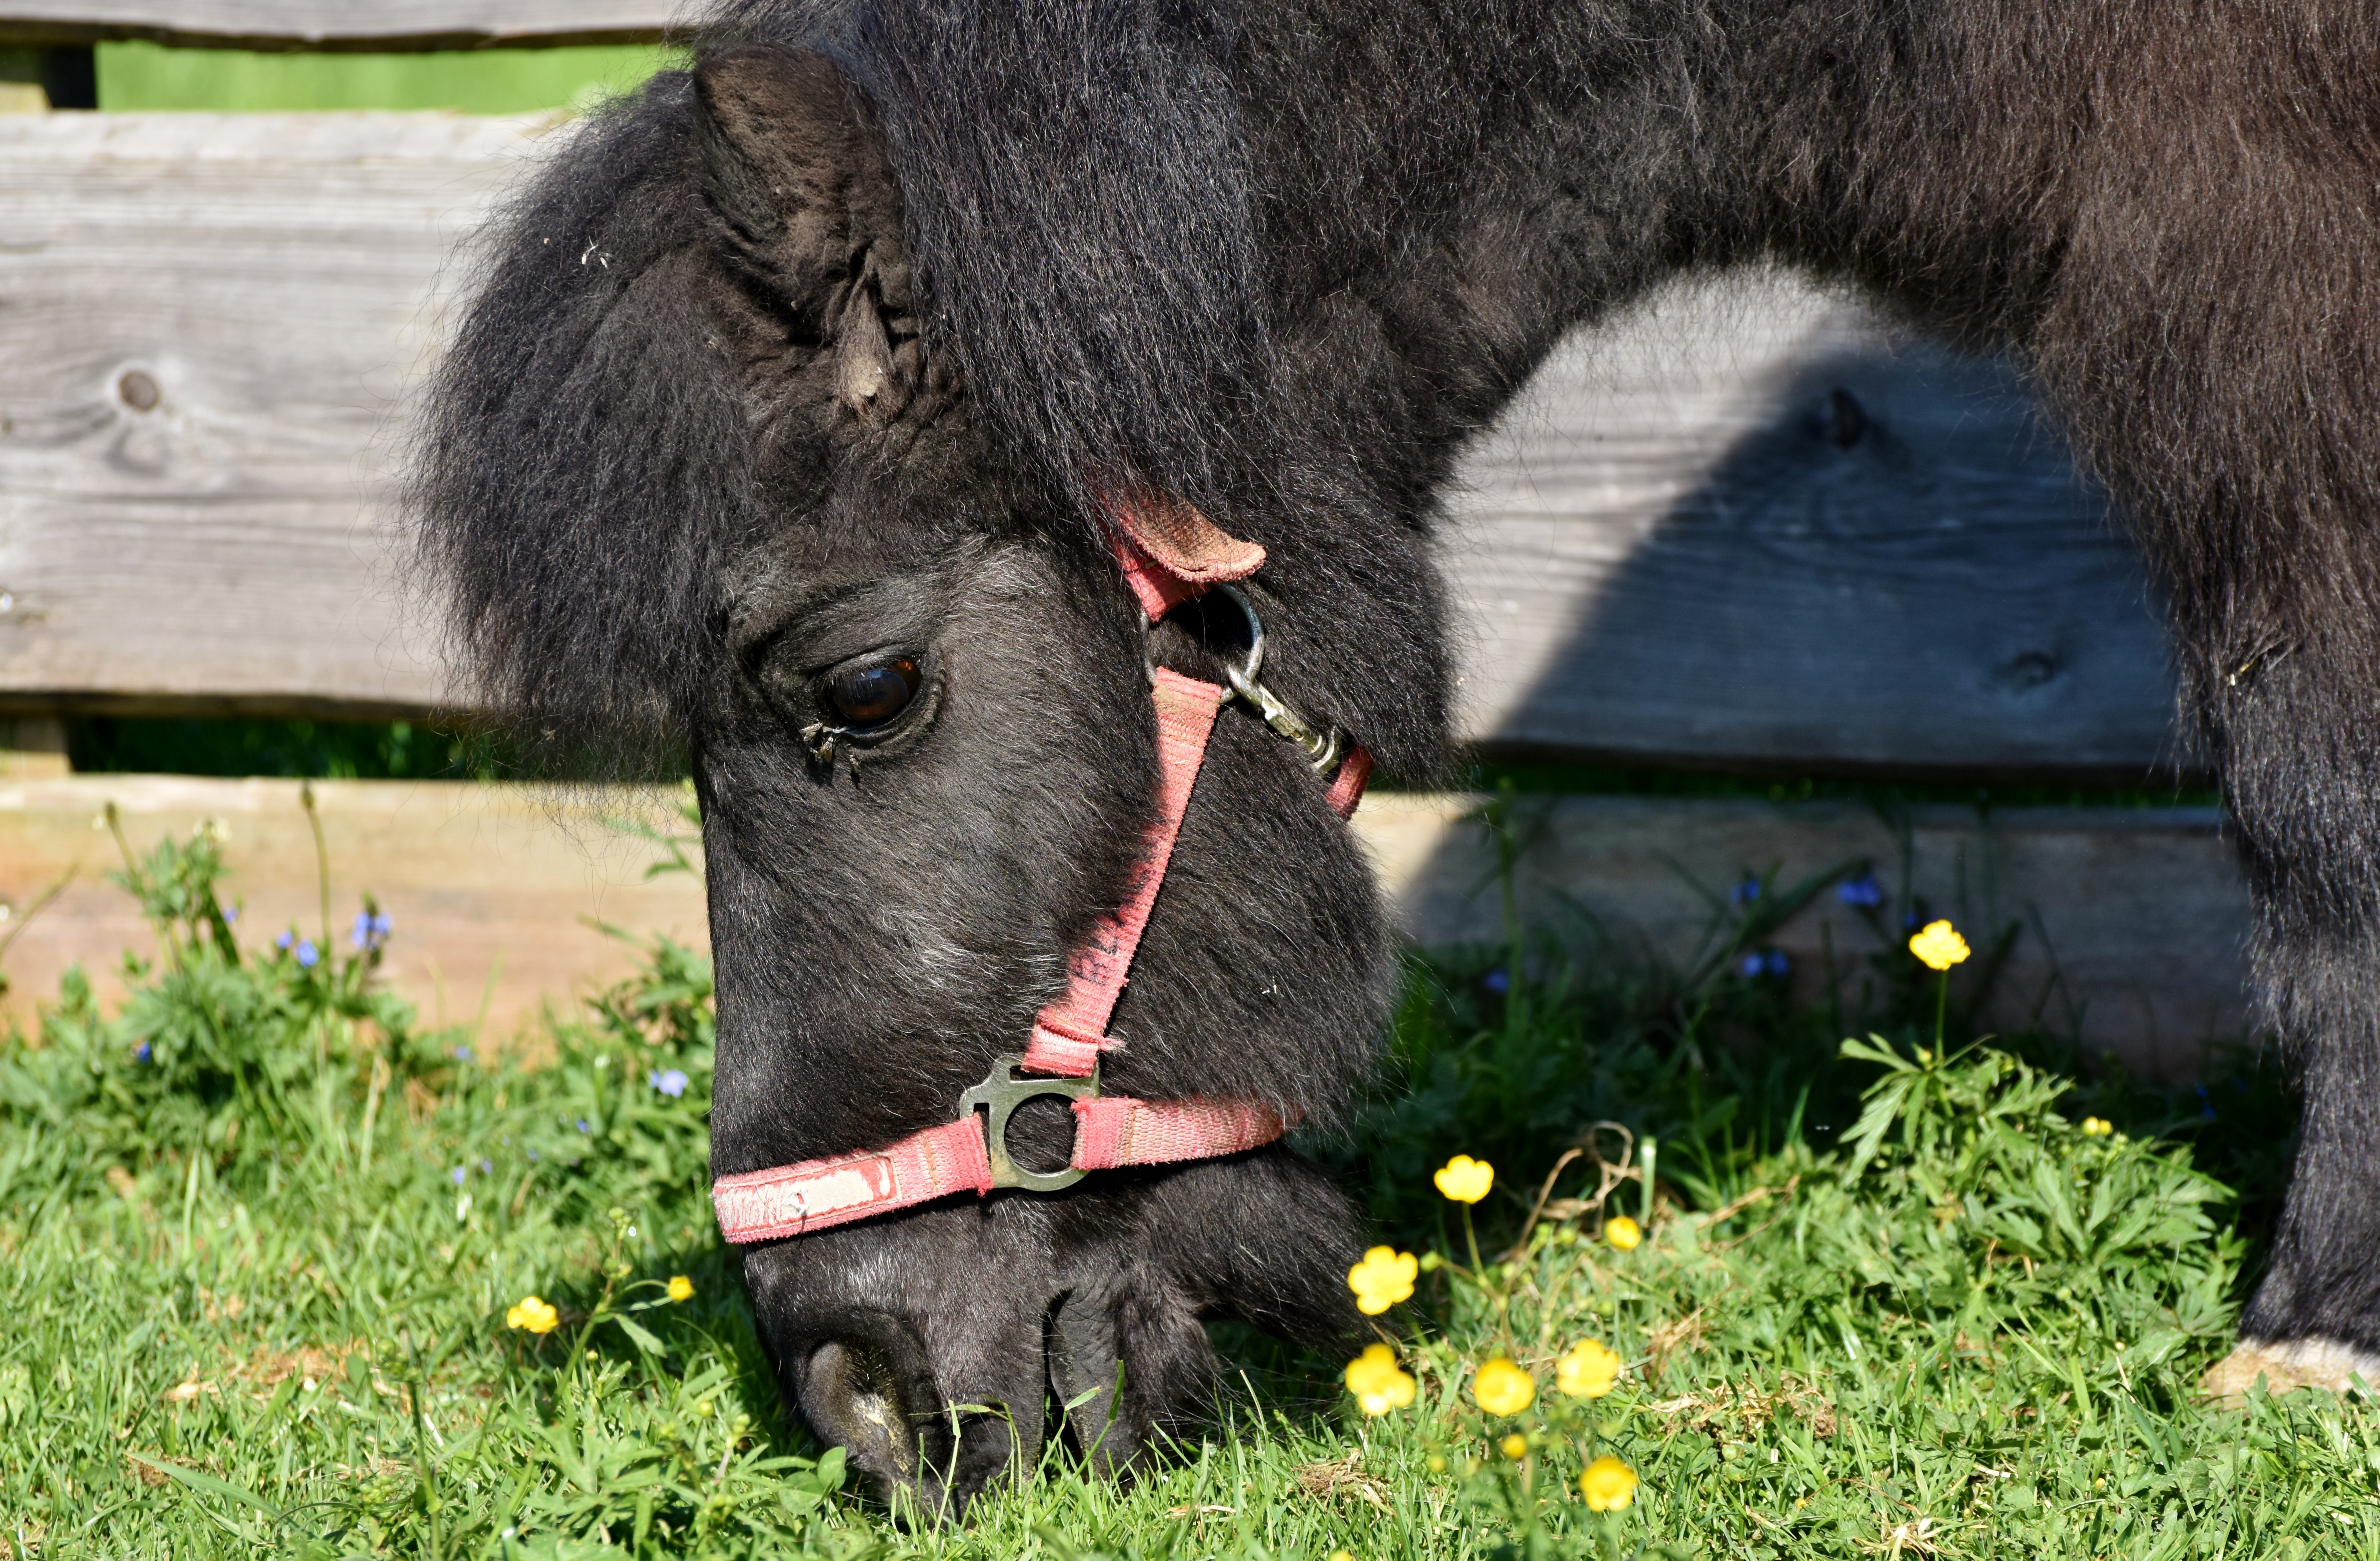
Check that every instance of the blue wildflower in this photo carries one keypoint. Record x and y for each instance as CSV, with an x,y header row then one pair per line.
x,y
1747,890
671,1084
1862,891
535,1157
1497,981
141,1054
583,1127
1753,964
230,913
462,1053
1776,964
2205,1106
459,1173
285,940
487,1167
306,953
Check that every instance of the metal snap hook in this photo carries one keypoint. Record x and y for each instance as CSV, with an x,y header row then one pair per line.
x,y
1323,750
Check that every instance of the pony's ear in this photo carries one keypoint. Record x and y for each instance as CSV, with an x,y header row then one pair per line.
x,y
797,178
795,166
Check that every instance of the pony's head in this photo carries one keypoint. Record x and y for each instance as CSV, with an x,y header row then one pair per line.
x,y
747,450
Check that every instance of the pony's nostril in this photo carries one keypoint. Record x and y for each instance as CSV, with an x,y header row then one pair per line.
x,y
852,1396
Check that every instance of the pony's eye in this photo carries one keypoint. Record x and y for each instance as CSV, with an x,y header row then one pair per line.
x,y
872,695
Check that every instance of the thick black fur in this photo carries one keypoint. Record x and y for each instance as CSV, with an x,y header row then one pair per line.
x,y
827,348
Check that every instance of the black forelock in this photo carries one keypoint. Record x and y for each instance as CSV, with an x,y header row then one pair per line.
x,y
1077,205
582,454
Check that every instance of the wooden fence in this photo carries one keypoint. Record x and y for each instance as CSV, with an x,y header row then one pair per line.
x,y
1747,527
335,24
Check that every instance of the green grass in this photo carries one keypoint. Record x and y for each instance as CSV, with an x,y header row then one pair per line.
x,y
328,750
147,75
316,750
1889,1302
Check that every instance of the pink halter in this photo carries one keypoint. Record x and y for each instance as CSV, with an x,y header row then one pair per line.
x,y
1170,554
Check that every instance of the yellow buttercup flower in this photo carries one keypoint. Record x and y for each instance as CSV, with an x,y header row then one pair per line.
x,y
2098,1127
1515,1446
1623,1232
1376,1381
533,1315
1588,1371
1382,1280
681,1287
1503,1388
1607,1484
1464,1180
1940,946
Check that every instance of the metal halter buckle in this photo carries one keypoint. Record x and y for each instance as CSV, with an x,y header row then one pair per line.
x,y
1000,1095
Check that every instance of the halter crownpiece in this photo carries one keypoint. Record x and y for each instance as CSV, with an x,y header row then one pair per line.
x,y
1170,554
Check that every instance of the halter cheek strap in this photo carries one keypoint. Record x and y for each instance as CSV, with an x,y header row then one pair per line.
x,y
1069,1035
1170,552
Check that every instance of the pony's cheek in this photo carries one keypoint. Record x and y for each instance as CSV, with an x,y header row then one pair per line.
x,y
886,922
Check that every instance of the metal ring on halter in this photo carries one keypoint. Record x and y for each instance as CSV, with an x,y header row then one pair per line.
x,y
1000,1095
1248,673
1324,749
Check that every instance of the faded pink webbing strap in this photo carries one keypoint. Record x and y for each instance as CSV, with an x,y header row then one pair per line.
x,y
1114,1130
1347,786
1069,1035
1171,551
815,1194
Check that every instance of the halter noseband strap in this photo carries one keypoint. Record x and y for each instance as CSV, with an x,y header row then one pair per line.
x,y
1170,554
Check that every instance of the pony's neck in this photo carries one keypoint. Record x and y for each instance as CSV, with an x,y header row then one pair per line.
x,y
1450,188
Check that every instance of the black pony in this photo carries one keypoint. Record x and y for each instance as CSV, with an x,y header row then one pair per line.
x,y
799,387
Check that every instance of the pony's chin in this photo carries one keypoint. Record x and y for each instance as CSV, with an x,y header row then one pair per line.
x,y
2288,1364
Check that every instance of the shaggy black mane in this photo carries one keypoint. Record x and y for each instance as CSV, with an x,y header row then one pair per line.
x,y
1075,193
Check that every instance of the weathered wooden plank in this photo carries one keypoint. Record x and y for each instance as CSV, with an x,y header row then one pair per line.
x,y
2131,920
337,24
490,886
1682,548
1749,527
210,322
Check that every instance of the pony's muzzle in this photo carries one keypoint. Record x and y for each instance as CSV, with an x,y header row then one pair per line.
x,y
926,1451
